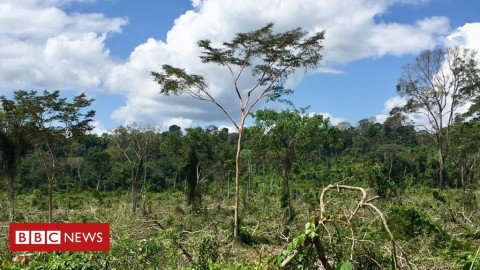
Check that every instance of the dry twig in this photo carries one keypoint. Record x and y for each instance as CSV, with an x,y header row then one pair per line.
x,y
323,219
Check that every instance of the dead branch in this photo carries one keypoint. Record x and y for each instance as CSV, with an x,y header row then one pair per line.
x,y
185,253
324,219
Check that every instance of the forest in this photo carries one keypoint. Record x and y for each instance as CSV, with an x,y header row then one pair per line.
x,y
286,190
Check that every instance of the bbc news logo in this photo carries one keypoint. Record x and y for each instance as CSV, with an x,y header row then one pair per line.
x,y
37,237
59,237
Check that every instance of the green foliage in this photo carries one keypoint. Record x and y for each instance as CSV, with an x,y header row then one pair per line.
x,y
438,196
207,254
470,201
292,137
269,57
409,222
344,266
383,187
132,254
302,260
136,244
38,200
470,265
64,261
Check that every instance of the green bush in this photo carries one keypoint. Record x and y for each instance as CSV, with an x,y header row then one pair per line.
x,y
39,200
64,261
207,254
409,222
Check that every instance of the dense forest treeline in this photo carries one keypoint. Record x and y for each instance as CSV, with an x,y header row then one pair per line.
x,y
385,156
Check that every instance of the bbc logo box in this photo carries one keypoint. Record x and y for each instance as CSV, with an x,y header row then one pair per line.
x,y
38,237
59,237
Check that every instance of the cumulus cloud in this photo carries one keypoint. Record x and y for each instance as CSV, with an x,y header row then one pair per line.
x,y
467,36
42,47
351,34
179,121
398,39
196,3
390,104
333,119
99,128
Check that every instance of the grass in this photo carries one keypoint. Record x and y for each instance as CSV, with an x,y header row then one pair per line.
x,y
445,222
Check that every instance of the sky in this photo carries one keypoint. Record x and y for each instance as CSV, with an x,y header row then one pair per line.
x,y
107,49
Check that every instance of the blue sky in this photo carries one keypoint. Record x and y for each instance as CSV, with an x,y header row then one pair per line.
x,y
107,48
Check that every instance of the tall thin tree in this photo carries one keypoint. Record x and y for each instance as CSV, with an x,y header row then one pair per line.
x,y
269,57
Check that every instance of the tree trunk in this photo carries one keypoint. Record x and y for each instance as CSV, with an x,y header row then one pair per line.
x,y
236,230
321,253
271,183
134,197
289,195
11,197
441,167
134,190
175,179
288,164
98,181
250,171
144,192
264,179
51,180
390,169
228,185
462,177
50,199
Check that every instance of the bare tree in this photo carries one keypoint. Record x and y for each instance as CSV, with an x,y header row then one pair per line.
x,y
135,142
436,85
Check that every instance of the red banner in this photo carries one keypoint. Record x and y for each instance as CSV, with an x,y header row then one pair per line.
x,y
59,237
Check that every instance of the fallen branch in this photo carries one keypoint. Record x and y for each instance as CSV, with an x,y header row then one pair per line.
x,y
185,253
324,219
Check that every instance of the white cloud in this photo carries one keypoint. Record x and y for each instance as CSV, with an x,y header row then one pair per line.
x,y
394,102
99,128
398,39
390,104
333,120
179,121
196,3
466,36
351,34
42,47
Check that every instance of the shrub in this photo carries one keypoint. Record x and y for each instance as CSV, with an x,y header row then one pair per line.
x,y
409,222
208,253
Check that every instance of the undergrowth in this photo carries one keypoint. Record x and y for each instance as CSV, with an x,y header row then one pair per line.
x,y
436,228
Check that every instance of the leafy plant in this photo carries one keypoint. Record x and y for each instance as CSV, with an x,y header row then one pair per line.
x,y
207,254
469,265
344,266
